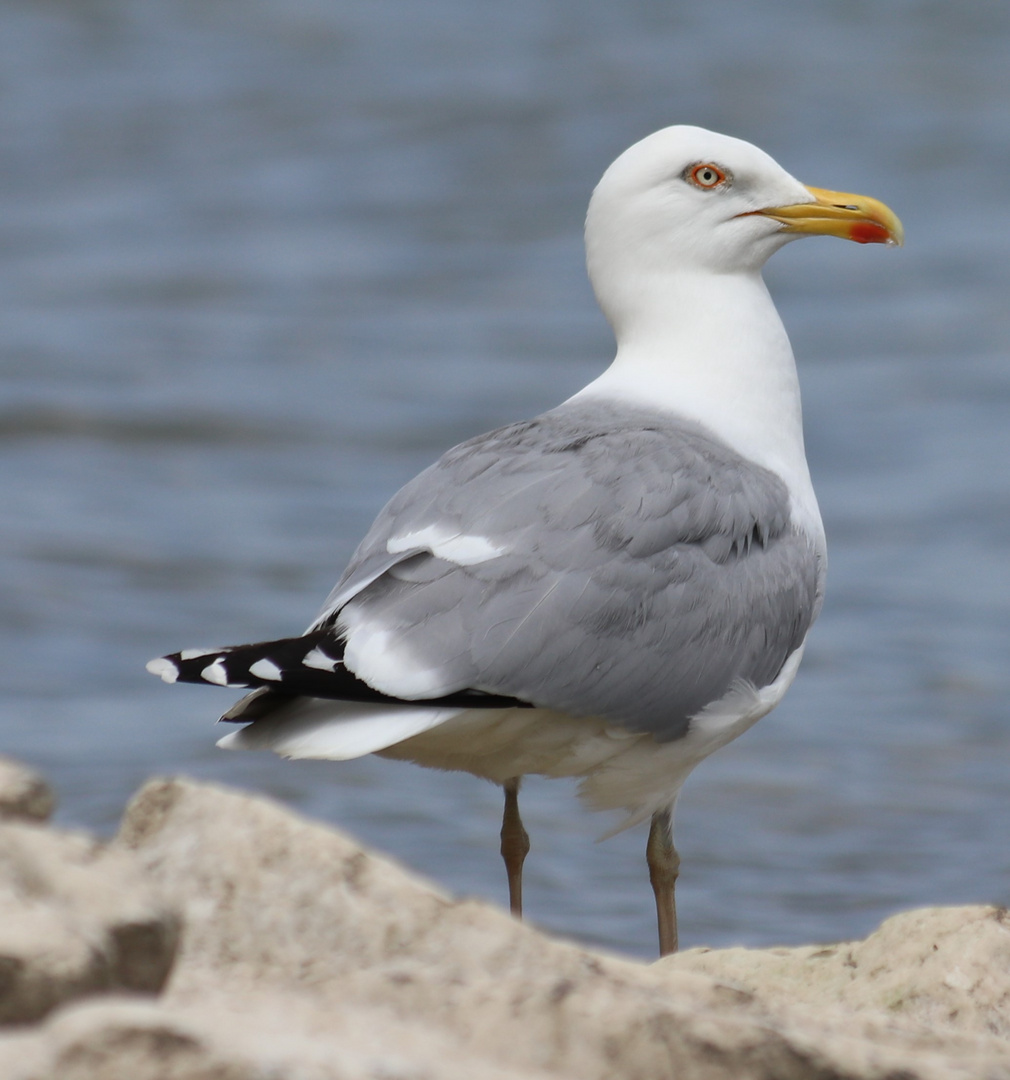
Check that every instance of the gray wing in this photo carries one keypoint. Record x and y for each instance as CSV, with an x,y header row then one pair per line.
x,y
600,561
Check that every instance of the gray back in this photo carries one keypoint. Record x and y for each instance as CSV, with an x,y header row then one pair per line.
x,y
647,568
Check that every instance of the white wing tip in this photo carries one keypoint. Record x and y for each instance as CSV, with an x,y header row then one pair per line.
x,y
215,673
316,658
164,668
266,669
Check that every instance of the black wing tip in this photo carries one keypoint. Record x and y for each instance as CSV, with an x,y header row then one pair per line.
x,y
306,659
297,667
205,666
164,667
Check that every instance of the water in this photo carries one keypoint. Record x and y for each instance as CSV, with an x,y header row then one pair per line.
x,y
263,261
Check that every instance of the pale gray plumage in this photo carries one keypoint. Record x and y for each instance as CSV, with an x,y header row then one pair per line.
x,y
647,568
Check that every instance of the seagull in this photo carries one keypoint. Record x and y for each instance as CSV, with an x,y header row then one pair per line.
x,y
620,586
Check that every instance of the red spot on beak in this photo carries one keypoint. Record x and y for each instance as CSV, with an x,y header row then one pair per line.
x,y
868,232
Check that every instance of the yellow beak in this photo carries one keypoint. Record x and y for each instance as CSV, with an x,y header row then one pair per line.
x,y
837,213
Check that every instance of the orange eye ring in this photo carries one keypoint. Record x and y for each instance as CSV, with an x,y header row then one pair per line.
x,y
706,176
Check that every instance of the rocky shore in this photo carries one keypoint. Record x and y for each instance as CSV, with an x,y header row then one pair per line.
x,y
222,937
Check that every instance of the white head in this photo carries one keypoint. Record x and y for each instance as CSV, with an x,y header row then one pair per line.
x,y
686,201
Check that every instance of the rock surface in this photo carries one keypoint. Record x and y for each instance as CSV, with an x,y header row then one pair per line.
x,y
304,956
944,969
24,794
75,919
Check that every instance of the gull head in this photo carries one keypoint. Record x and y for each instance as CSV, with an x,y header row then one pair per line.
x,y
687,200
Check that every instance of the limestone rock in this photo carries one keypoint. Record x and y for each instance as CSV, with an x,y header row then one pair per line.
x,y
315,941
111,1039
24,794
942,969
74,919
304,956
117,1040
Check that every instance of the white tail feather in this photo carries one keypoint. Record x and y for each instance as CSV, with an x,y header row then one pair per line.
x,y
335,730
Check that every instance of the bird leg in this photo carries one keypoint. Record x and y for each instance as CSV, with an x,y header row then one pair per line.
x,y
664,866
515,844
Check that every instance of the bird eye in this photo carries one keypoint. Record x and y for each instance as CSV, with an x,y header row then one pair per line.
x,y
706,175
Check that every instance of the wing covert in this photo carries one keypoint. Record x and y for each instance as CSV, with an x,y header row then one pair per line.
x,y
658,565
